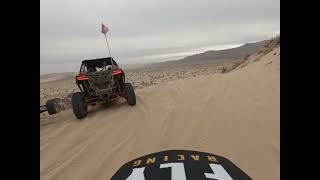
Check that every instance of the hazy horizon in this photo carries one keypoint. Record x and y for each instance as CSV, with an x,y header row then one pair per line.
x,y
61,68
146,31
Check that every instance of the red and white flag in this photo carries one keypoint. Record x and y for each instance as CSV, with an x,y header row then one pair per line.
x,y
104,29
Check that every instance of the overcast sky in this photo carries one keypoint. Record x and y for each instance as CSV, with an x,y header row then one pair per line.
x,y
148,30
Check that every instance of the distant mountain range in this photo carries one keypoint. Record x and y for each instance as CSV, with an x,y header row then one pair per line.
x,y
234,53
215,55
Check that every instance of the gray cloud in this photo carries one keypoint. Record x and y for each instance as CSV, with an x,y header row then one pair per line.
x,y
149,30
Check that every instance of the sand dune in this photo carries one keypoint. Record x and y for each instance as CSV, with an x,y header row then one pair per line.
x,y
235,115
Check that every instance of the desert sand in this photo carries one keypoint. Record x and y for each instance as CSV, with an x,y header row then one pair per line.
x,y
235,114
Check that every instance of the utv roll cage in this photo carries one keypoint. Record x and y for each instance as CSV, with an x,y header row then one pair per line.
x,y
97,63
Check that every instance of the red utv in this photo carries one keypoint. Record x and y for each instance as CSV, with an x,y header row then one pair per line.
x,y
100,81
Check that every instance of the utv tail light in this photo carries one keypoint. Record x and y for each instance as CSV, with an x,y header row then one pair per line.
x,y
116,71
81,77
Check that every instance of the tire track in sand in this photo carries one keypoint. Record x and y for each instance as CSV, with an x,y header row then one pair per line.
x,y
80,147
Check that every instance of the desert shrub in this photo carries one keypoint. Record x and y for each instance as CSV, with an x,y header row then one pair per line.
x,y
246,56
223,69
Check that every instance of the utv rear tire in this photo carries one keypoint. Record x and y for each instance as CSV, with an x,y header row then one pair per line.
x,y
52,106
78,106
131,97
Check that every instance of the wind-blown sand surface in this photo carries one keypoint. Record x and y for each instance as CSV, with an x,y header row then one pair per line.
x,y
235,115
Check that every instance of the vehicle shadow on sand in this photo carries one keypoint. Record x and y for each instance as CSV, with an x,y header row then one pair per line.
x,y
111,106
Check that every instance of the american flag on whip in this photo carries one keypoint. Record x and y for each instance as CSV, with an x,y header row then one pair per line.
x,y
104,29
